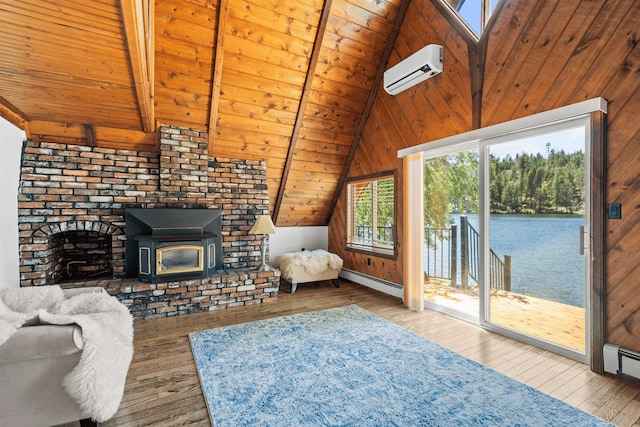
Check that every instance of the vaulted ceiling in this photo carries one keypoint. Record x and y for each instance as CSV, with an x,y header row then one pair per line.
x,y
286,81
294,81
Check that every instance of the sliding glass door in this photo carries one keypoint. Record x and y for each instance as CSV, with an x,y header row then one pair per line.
x,y
535,243
505,234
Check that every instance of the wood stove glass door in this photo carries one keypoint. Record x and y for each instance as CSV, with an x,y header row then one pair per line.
x,y
179,259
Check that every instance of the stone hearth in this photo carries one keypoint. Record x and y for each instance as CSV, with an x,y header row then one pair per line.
x,y
65,189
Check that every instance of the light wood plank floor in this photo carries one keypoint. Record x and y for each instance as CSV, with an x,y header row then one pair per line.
x,y
552,321
163,388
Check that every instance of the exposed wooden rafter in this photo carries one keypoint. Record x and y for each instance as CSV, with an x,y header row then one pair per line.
x,y
367,109
477,56
477,62
137,18
313,62
223,13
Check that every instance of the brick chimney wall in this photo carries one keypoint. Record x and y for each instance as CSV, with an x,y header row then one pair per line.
x,y
69,187
184,164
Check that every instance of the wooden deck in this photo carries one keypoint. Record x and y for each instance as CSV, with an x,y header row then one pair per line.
x,y
163,389
559,323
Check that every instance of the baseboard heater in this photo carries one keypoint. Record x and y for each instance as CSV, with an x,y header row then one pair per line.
x,y
372,282
620,361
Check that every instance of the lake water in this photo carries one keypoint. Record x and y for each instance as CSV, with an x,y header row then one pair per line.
x,y
544,250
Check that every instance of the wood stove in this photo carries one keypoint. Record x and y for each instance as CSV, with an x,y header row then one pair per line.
x,y
172,244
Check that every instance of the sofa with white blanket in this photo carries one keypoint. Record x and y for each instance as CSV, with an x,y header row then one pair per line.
x,y
64,355
308,266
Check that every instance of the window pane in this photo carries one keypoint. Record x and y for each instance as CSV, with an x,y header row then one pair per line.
x,y
451,207
470,11
385,212
371,215
537,222
363,218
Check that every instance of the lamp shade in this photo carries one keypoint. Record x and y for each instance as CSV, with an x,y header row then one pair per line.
x,y
263,225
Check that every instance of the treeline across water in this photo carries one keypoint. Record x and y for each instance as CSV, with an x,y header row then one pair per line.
x,y
550,183
538,184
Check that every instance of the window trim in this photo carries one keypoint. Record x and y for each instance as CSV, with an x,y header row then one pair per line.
x,y
371,250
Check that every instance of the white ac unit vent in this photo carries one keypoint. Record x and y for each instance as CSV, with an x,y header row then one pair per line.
x,y
425,63
618,361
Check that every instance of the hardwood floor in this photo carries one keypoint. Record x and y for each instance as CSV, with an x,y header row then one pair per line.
x,y
552,321
163,387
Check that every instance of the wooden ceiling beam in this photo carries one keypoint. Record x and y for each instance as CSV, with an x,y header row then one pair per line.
x,y
369,105
223,14
477,63
13,115
477,49
313,62
137,18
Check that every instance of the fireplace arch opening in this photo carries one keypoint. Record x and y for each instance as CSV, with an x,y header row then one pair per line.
x,y
79,255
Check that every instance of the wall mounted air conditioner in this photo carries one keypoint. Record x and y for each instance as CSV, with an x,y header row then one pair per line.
x,y
425,63
618,361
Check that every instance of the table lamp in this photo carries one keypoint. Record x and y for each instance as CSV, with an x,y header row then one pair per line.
x,y
263,226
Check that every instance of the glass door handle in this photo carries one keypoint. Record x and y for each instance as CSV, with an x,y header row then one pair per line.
x,y
581,243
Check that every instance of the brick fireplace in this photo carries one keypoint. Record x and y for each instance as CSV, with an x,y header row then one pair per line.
x,y
72,205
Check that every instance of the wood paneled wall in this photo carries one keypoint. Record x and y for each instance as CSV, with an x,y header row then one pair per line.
x,y
539,56
436,108
544,55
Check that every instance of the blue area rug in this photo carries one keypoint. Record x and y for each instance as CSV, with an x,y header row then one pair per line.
x,y
349,367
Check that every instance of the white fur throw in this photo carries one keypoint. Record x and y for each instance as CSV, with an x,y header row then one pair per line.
x,y
314,262
97,382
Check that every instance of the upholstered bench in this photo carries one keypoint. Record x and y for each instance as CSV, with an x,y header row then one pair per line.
x,y
308,266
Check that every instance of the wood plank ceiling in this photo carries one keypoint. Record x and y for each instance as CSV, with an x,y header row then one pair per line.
x,y
286,81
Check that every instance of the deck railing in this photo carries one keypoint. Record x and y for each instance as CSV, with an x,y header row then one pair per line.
x,y
500,271
441,257
364,234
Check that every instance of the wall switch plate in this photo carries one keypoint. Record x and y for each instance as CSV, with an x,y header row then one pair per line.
x,y
614,210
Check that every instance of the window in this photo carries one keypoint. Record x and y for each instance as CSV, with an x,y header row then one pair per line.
x,y
475,13
371,214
